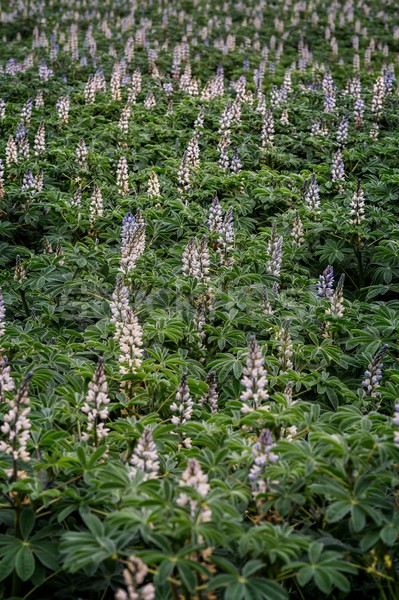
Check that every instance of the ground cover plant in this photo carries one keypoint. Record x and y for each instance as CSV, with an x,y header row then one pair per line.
x,y
199,314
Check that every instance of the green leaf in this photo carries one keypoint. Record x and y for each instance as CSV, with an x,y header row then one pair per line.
x,y
26,522
305,575
25,563
236,591
251,567
220,581
338,510
165,569
389,534
341,582
369,539
225,564
264,589
81,454
187,576
7,565
94,458
323,580
315,550
92,522
237,370
358,518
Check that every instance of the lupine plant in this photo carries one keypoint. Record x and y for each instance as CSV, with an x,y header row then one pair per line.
x,y
199,315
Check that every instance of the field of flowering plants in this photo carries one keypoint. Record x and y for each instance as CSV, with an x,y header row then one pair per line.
x,y
199,305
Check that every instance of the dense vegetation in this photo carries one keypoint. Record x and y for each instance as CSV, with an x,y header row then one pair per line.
x,y
199,383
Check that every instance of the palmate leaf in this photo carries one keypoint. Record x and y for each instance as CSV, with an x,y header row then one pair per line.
x,y
242,584
333,251
274,541
372,337
251,589
226,336
328,354
21,555
81,549
225,364
364,501
328,569
178,566
162,327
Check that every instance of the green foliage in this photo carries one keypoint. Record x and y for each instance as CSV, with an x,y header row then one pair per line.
x,y
291,494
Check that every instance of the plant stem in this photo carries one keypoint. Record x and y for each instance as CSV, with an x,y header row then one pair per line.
x,y
24,301
174,591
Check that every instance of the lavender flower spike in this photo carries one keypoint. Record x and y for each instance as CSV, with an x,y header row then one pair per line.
x,y
275,251
119,305
395,422
211,397
132,241
145,456
134,575
96,405
194,478
183,405
337,300
2,314
311,194
16,426
325,285
6,381
373,374
255,377
263,454
130,345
